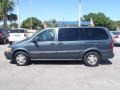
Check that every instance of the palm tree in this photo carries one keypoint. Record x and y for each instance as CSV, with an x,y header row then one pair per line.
x,y
12,17
6,6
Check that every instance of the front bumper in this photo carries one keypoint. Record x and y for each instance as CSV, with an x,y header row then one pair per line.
x,y
8,55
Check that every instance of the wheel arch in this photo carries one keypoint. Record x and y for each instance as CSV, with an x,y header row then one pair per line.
x,y
92,50
20,50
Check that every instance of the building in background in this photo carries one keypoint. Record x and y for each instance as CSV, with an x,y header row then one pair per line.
x,y
75,23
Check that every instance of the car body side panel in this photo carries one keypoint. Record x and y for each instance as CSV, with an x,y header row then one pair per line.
x,y
42,50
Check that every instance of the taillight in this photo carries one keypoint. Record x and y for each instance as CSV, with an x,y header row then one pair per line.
x,y
116,36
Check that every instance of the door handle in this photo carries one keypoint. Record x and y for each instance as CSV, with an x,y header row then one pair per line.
x,y
52,43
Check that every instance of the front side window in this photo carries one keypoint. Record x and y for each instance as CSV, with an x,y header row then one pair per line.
x,y
70,34
47,35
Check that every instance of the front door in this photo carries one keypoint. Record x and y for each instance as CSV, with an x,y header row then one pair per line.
x,y
44,46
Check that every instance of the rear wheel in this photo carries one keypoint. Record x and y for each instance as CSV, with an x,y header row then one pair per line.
x,y
21,58
92,59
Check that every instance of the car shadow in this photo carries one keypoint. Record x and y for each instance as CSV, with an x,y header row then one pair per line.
x,y
57,62
64,62
67,62
105,62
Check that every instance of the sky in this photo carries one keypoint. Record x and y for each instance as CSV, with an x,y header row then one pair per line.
x,y
67,10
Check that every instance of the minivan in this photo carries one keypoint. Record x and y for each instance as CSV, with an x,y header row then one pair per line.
x,y
90,44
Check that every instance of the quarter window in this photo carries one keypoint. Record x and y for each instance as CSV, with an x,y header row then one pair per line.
x,y
95,34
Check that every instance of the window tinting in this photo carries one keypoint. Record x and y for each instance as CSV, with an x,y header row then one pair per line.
x,y
95,34
17,31
70,34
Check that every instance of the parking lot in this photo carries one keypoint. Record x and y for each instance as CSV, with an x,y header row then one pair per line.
x,y
60,75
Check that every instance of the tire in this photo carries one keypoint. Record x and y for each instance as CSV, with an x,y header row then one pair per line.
x,y
92,59
21,58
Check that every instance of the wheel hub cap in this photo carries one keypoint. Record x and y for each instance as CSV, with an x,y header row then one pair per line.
x,y
92,59
20,58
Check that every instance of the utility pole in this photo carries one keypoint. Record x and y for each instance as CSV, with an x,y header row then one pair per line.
x,y
80,11
30,8
18,13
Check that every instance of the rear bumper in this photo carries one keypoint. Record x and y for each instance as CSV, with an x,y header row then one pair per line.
x,y
107,54
15,39
116,41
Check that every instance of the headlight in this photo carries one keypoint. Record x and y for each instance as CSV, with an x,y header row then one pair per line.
x,y
8,49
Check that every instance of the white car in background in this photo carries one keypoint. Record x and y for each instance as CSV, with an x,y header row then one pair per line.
x,y
116,37
16,35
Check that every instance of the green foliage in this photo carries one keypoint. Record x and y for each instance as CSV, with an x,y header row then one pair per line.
x,y
51,23
6,6
101,19
35,23
12,17
13,25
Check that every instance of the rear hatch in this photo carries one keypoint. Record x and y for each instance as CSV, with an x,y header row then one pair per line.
x,y
17,35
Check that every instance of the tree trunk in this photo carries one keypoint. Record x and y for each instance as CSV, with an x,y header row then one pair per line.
x,y
5,22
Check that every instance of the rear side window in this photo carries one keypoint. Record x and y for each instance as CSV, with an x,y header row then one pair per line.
x,y
95,34
22,31
17,31
70,34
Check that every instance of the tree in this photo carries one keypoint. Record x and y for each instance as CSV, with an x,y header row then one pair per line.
x,y
12,17
99,19
13,25
6,6
113,25
35,23
51,23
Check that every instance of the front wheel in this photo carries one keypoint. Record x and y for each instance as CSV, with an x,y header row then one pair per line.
x,y
92,59
21,58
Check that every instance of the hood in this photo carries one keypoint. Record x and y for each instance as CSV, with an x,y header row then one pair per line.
x,y
21,42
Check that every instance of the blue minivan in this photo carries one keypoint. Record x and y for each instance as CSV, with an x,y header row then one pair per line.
x,y
90,44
